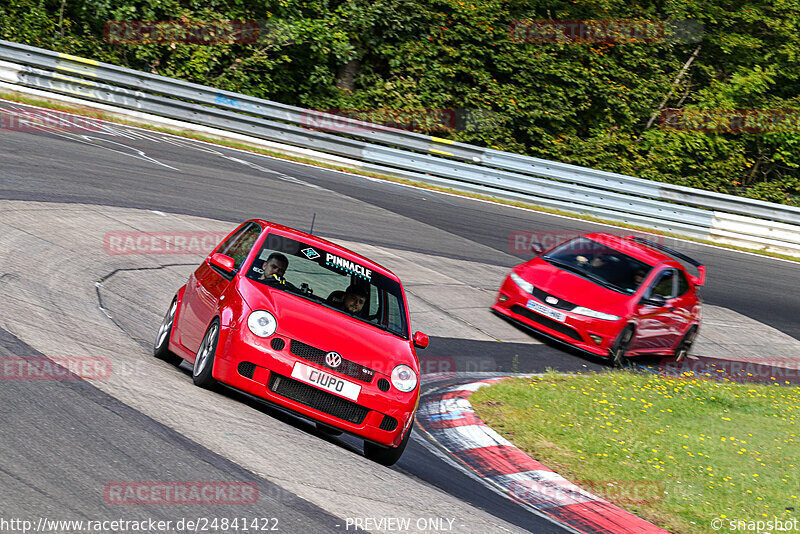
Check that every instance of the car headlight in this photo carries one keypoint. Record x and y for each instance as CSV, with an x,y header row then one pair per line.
x,y
404,378
525,286
580,310
262,323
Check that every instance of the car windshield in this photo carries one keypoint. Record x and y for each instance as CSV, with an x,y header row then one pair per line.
x,y
599,263
328,279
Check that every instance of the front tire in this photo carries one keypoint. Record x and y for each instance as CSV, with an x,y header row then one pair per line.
x,y
387,455
161,345
620,347
202,372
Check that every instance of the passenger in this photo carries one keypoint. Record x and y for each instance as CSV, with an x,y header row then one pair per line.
x,y
355,296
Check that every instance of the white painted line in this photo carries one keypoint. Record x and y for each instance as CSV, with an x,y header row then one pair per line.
x,y
475,386
470,437
445,406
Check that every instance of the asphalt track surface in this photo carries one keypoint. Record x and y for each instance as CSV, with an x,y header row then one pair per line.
x,y
60,437
192,178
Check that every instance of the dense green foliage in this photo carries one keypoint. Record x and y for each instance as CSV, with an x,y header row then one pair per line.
x,y
583,103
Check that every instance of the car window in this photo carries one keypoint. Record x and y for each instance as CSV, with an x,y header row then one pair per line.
x,y
599,263
323,277
239,244
664,284
683,284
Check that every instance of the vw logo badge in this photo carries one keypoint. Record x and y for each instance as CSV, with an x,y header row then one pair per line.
x,y
333,359
551,300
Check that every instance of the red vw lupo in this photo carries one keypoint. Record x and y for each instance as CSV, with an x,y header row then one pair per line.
x,y
306,324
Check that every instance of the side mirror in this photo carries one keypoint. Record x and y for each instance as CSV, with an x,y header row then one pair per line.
x,y
656,300
537,247
222,261
421,340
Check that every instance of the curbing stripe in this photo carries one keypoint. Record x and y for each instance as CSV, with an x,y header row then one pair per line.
x,y
500,460
461,438
448,417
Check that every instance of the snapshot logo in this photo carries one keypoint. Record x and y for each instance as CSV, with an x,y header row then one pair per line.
x,y
609,31
734,122
157,493
33,120
770,370
157,243
55,368
553,490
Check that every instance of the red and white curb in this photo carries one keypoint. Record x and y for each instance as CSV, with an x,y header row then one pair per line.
x,y
447,417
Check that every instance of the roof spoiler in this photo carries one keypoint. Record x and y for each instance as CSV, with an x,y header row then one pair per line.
x,y
698,280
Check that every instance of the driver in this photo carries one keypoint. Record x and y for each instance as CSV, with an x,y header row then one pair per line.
x,y
355,296
275,267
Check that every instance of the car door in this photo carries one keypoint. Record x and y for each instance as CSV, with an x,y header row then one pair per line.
x,y
683,307
657,324
205,291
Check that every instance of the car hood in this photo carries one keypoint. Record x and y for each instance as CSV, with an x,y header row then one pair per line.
x,y
573,287
330,330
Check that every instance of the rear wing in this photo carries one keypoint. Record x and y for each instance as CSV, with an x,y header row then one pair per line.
x,y
698,280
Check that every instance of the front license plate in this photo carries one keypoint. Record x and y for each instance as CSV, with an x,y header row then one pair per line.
x,y
538,307
321,379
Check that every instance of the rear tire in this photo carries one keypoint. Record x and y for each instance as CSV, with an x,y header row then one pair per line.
x,y
202,372
683,348
387,455
161,345
620,347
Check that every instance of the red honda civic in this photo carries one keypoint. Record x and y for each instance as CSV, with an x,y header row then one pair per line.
x,y
608,295
306,324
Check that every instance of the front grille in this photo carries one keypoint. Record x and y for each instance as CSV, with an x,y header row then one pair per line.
x,y
317,399
277,343
552,324
348,368
389,423
247,369
561,304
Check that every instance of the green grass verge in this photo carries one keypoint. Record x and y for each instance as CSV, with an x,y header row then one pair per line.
x,y
679,452
91,112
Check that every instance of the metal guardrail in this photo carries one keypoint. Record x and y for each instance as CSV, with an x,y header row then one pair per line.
x,y
411,155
